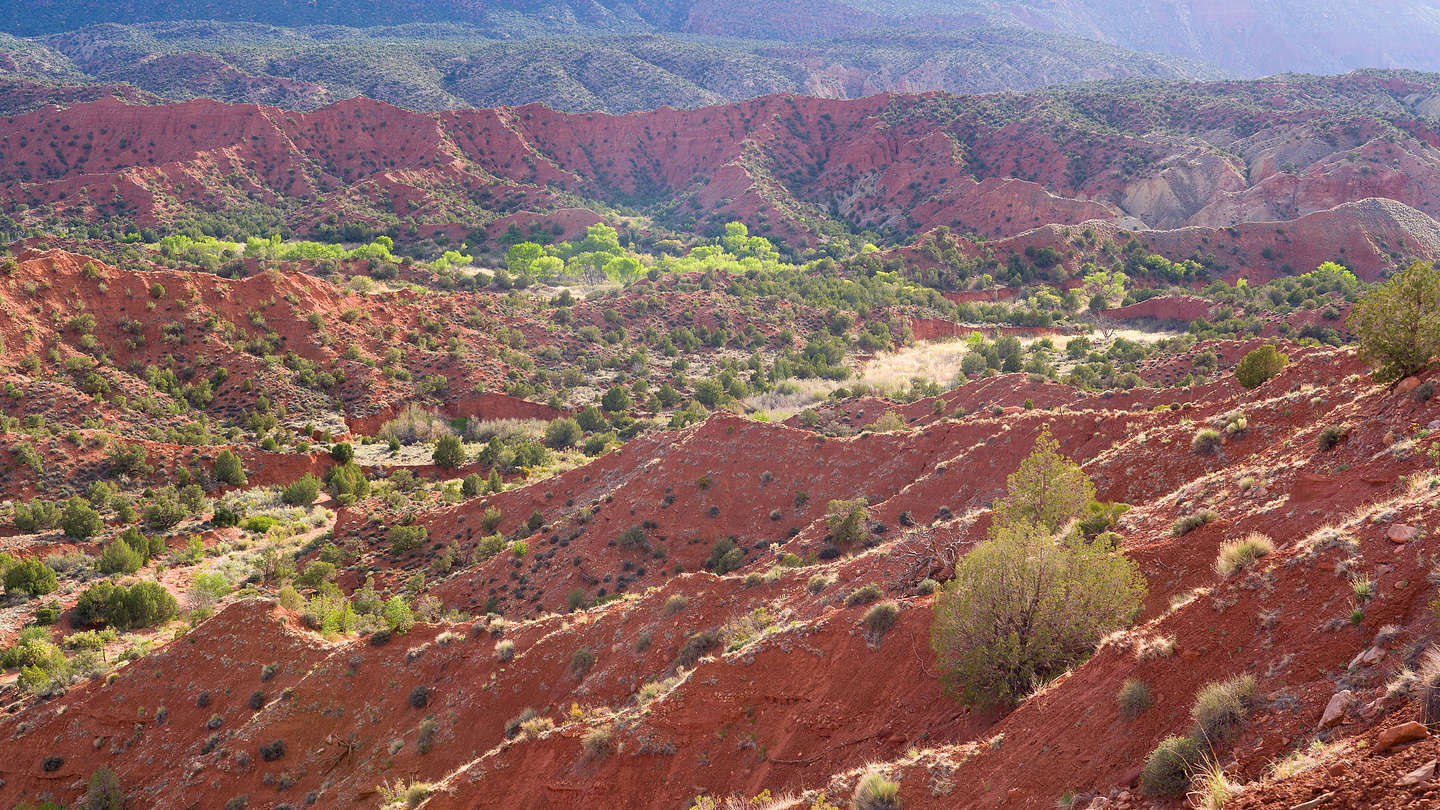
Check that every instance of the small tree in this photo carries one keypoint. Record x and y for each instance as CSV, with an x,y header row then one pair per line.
x,y
1260,365
1048,490
616,400
119,558
30,576
301,491
449,452
846,521
1398,322
103,791
79,521
562,433
1023,607
229,470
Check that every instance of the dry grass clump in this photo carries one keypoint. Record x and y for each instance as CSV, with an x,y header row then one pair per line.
x,y
1134,698
1238,554
1221,705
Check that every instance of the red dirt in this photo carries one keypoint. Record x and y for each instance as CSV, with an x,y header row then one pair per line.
x,y
811,701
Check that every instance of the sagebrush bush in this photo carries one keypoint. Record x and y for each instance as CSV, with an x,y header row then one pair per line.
x,y
1134,698
676,603
1238,554
1330,436
581,661
1193,521
864,595
880,618
599,741
1206,441
818,583
1221,705
1170,766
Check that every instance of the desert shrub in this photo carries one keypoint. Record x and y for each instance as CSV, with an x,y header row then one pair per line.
x,y
1189,523
599,741
575,599
880,618
1170,766
490,519
31,577
119,558
348,482
228,469
489,546
562,434
1221,705
676,603
1398,322
725,556
1330,436
142,604
818,583
80,521
1206,441
1260,365
581,661
864,595
472,485
875,792
165,510
536,727
926,586
425,735
36,516
512,726
1023,607
1238,554
696,646
1424,392
1134,698
419,697
272,751
404,539
846,521
449,452
103,791
504,650
302,491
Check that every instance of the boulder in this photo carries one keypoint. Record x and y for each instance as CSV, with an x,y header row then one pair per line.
x,y
1400,533
1400,735
1419,776
1367,657
1407,385
1335,710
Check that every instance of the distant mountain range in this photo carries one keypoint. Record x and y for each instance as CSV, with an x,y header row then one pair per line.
x,y
614,56
434,66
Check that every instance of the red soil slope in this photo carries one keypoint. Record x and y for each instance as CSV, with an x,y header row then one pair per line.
x,y
804,698
1230,153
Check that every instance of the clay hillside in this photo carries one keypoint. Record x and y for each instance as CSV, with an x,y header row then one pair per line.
x,y
1070,449
1194,164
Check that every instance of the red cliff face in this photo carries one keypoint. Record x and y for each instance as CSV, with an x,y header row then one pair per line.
x,y
997,166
